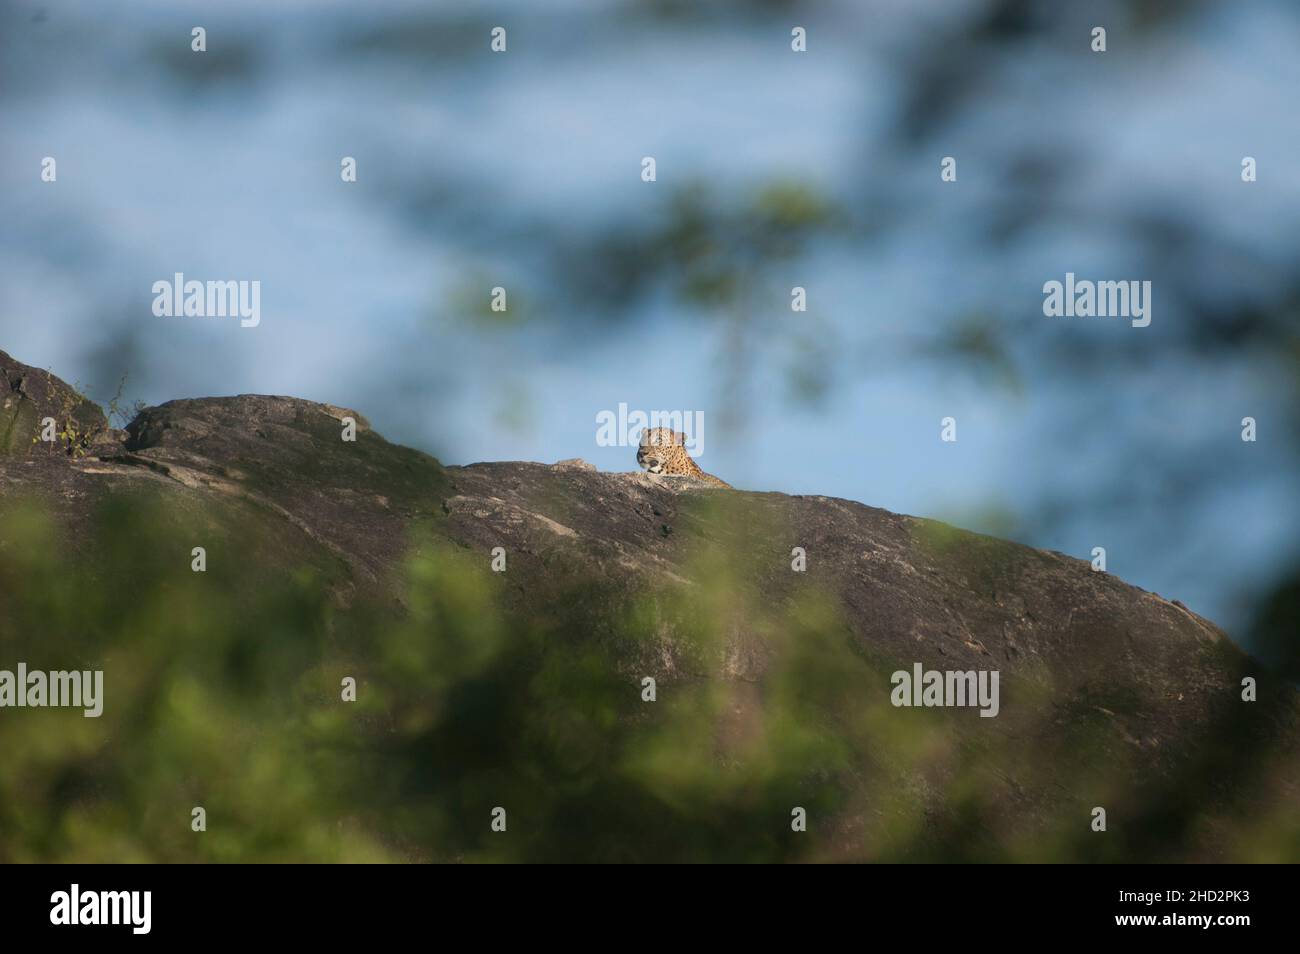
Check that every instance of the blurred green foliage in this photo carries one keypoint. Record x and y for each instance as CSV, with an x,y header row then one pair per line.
x,y
223,689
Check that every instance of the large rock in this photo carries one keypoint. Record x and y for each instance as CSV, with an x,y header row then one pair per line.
x,y
1097,676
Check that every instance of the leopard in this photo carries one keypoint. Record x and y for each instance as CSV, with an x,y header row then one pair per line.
x,y
662,452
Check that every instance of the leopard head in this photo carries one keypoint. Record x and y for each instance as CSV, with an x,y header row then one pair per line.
x,y
656,448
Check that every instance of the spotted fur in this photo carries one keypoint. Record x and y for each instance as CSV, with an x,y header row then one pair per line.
x,y
663,451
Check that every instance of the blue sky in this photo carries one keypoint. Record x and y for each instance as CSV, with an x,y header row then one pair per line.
x,y
512,156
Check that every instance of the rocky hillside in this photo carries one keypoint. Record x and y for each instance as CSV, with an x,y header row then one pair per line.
x,y
771,685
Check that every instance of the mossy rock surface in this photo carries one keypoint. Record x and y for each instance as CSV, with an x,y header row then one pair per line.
x,y
30,395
